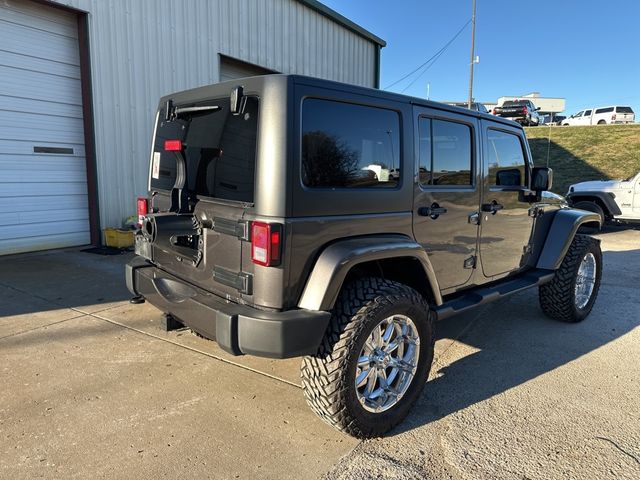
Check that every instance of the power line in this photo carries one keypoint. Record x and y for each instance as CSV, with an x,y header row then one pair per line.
x,y
432,59
423,72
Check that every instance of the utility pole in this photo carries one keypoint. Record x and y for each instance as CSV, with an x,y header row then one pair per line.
x,y
473,41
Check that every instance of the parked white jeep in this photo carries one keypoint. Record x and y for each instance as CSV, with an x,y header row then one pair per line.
x,y
611,199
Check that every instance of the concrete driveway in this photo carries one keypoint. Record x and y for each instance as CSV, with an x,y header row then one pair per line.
x,y
92,386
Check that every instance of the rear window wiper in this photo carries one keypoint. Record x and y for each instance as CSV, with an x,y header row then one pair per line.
x,y
203,108
172,112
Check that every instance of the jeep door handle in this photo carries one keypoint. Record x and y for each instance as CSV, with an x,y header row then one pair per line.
x,y
434,211
493,207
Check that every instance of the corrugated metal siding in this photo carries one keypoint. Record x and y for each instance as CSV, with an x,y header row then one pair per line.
x,y
43,196
143,49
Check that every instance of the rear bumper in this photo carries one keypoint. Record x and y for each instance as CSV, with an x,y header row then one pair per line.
x,y
238,329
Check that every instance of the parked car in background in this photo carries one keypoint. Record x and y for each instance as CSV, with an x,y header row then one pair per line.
x,y
549,119
478,107
601,116
614,114
522,111
583,117
611,199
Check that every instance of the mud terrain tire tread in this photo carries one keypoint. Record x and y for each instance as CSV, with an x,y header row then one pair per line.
x,y
325,381
557,297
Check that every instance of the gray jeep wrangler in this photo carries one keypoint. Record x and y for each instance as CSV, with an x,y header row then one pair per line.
x,y
290,216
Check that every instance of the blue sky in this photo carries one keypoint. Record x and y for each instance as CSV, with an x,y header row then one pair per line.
x,y
585,51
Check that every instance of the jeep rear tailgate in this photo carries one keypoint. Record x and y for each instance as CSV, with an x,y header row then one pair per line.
x,y
214,151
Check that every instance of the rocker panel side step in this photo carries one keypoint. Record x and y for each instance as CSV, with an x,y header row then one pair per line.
x,y
490,293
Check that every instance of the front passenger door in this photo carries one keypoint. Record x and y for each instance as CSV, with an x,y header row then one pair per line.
x,y
506,226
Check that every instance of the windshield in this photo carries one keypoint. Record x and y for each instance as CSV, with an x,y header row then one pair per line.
x,y
219,149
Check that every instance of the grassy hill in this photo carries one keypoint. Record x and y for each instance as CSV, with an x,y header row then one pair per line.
x,y
584,153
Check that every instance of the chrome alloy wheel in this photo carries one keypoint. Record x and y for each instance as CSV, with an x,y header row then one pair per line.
x,y
387,363
585,280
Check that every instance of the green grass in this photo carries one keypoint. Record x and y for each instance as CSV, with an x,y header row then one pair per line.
x,y
577,154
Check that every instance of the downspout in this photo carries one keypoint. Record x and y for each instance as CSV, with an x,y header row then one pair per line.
x,y
376,67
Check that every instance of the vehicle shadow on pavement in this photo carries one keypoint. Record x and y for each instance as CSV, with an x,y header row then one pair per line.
x,y
511,342
45,281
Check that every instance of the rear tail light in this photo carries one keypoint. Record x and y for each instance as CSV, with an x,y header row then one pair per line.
x,y
266,242
143,209
173,145
525,110
493,112
613,117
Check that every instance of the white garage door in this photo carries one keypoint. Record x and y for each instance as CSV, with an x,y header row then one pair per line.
x,y
43,180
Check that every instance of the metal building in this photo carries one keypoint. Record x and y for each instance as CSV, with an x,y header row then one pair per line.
x,y
81,80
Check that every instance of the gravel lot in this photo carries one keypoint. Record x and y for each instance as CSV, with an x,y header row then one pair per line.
x,y
92,387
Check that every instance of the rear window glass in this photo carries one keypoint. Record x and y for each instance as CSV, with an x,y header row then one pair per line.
x,y
349,146
604,110
219,149
515,103
624,110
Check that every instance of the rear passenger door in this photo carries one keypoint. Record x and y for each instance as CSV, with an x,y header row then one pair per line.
x,y
506,224
446,193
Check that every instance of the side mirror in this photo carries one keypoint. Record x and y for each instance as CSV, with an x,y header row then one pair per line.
x,y
541,179
538,108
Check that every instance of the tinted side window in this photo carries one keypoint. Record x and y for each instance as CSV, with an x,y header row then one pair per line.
x,y
445,153
587,113
349,146
604,110
505,158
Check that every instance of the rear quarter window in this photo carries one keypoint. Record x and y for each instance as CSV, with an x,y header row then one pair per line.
x,y
604,110
346,145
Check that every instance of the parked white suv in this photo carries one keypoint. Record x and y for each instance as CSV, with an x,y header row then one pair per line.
x,y
611,199
615,114
601,116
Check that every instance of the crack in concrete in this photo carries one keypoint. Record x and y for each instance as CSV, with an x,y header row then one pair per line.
x,y
157,337
42,326
630,455
193,349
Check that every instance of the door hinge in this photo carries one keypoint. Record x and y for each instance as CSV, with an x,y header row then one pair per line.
x,y
470,262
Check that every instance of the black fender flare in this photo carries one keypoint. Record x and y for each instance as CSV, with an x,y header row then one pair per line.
x,y
611,207
336,260
562,231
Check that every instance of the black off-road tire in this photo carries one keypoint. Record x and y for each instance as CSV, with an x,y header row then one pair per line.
x,y
557,298
590,206
328,378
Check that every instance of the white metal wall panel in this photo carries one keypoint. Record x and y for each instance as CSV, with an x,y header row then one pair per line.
x,y
43,197
143,49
